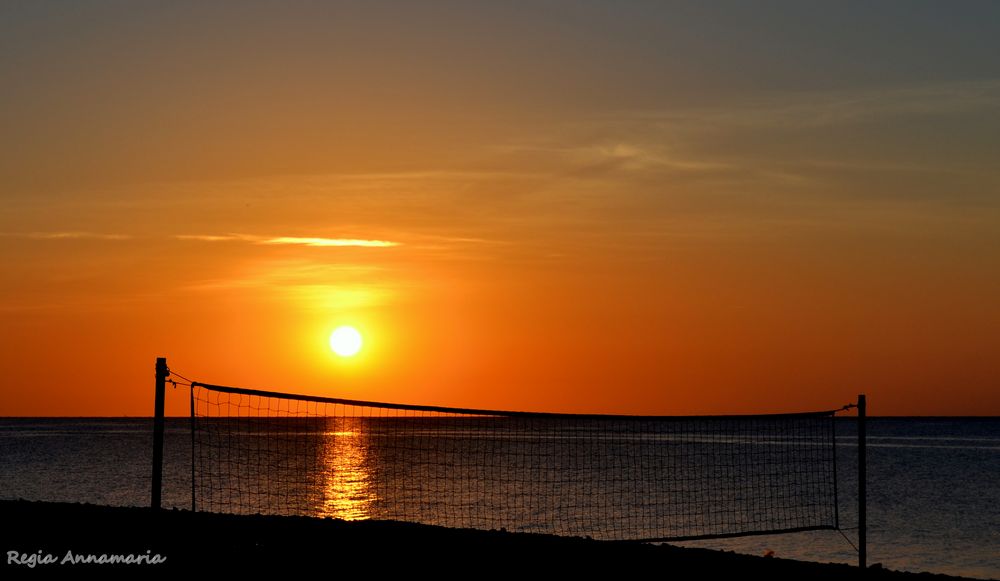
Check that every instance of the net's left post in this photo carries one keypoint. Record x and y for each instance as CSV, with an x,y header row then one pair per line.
x,y
161,382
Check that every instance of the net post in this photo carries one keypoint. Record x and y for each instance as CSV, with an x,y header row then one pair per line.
x,y
194,504
836,485
161,382
862,484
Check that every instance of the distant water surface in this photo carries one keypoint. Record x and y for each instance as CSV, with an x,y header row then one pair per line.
x,y
934,485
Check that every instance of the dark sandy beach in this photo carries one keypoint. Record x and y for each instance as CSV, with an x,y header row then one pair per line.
x,y
196,542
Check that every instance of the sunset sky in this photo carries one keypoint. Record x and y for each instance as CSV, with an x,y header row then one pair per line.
x,y
642,207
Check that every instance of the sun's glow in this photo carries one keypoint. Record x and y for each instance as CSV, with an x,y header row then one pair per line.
x,y
345,341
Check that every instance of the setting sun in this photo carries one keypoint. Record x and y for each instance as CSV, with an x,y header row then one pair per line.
x,y
345,341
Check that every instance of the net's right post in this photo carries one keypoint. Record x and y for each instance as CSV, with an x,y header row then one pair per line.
x,y
862,485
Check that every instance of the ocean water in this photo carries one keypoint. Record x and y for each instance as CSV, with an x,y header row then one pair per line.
x,y
933,487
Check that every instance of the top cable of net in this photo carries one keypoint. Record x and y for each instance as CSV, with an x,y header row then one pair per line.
x,y
500,413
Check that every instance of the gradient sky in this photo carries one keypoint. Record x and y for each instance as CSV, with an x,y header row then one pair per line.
x,y
648,207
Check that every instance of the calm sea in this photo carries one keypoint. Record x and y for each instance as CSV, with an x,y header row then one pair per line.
x,y
934,485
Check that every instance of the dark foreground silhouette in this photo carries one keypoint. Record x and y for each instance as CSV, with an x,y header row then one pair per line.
x,y
199,542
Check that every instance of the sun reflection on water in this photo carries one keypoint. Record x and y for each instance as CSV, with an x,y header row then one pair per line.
x,y
347,490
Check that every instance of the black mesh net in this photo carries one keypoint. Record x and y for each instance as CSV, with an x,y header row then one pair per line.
x,y
606,477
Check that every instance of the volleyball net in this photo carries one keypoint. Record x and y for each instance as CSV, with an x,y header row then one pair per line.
x,y
608,477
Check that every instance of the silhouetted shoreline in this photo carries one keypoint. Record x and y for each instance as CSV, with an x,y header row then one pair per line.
x,y
201,541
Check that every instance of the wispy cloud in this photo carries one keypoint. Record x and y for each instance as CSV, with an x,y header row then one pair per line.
x,y
321,242
206,238
820,109
316,242
65,236
781,148
311,285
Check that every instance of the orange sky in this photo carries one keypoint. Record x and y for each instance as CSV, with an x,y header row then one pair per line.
x,y
578,208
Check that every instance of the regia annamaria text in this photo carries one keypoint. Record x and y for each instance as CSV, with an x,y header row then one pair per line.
x,y
40,558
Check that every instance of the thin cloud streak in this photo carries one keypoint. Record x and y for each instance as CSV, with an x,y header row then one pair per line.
x,y
65,236
205,238
324,242
314,242
821,109
313,286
